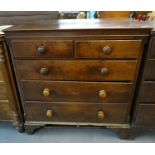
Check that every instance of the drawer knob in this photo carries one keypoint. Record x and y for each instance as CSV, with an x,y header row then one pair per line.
x,y
46,92
49,113
41,49
104,71
44,71
107,50
100,114
102,93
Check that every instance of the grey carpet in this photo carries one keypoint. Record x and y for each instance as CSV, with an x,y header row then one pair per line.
x,y
8,134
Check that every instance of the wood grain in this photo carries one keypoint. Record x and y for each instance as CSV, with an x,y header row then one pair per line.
x,y
77,91
3,91
77,70
114,14
149,73
146,115
94,24
147,92
1,77
8,90
75,112
120,48
54,49
5,111
152,49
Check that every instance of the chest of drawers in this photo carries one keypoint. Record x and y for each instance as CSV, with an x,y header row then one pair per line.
x,y
145,109
69,73
9,103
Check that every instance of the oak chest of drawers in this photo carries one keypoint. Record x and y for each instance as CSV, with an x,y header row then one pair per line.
x,y
9,103
77,72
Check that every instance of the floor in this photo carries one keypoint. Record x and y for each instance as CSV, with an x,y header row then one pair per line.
x,y
8,134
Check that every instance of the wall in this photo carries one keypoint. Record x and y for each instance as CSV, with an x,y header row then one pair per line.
x,y
20,17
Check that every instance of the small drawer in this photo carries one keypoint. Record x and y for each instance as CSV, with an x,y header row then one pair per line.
x,y
76,112
108,48
42,48
5,111
110,92
149,73
147,92
116,70
152,49
3,91
146,115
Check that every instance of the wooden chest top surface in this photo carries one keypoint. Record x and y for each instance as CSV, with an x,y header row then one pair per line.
x,y
82,24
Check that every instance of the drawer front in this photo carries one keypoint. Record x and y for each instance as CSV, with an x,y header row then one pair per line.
x,y
108,48
152,48
146,115
76,112
46,49
77,91
3,91
5,112
147,92
77,70
149,73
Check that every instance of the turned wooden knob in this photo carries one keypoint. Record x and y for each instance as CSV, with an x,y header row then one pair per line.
x,y
41,49
102,93
107,50
44,71
46,92
104,71
49,113
100,114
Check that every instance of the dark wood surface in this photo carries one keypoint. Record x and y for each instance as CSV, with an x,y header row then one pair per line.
x,y
77,91
145,108
146,115
1,77
149,73
9,102
87,70
21,17
152,48
119,49
147,92
5,111
52,48
3,91
75,24
76,112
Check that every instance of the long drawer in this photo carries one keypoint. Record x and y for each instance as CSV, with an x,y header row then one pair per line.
x,y
42,48
146,115
108,48
3,91
110,92
149,73
77,70
147,92
76,112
